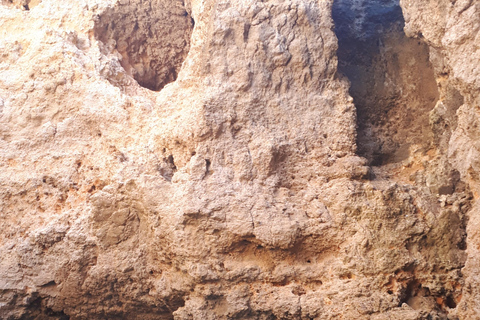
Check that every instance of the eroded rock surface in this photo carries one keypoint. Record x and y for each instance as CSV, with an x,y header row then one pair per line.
x,y
453,34
205,160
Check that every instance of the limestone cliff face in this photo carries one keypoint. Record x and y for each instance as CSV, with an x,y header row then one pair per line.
x,y
204,159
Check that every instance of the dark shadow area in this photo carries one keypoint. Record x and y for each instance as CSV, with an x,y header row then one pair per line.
x,y
392,82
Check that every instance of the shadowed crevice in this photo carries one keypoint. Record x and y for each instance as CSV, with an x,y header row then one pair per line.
x,y
392,81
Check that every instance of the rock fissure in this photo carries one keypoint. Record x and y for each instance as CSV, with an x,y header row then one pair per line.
x,y
391,79
404,128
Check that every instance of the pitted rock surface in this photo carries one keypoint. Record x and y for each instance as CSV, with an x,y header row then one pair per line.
x,y
208,159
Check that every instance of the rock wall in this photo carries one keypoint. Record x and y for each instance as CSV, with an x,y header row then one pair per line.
x,y
453,35
201,160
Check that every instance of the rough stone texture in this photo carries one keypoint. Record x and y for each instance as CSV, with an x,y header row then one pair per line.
x,y
236,191
452,31
152,38
392,82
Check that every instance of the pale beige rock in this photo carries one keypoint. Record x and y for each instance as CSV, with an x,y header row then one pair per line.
x,y
233,189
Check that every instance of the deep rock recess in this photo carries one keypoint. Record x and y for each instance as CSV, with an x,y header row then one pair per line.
x,y
151,37
392,80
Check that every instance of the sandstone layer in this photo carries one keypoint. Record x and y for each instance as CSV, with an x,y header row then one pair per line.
x,y
221,159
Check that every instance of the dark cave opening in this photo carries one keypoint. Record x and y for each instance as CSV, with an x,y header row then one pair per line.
x,y
392,81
